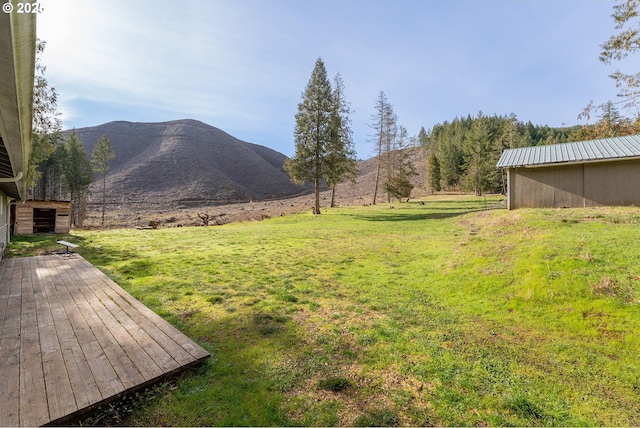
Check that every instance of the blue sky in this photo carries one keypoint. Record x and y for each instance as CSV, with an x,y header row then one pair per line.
x,y
241,65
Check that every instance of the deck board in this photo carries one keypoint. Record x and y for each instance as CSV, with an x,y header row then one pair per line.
x,y
10,346
55,373
72,339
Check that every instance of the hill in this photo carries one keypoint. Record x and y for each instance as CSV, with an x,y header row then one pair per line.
x,y
190,162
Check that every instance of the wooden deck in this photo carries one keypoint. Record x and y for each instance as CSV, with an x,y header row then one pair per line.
x,y
72,339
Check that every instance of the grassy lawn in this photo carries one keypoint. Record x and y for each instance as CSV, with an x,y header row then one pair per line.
x,y
442,314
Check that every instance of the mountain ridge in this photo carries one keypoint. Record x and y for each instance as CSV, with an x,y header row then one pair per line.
x,y
187,160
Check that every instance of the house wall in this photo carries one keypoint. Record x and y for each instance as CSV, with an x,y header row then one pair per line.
x,y
4,223
24,216
572,186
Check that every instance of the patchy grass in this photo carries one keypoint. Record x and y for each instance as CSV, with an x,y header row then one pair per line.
x,y
335,384
442,314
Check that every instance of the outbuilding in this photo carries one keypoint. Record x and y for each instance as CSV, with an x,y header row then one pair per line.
x,y
581,174
42,217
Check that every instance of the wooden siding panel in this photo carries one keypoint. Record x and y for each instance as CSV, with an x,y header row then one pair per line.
x,y
548,187
24,219
614,183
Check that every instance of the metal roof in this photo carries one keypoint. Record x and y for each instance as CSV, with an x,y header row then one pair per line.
x,y
606,149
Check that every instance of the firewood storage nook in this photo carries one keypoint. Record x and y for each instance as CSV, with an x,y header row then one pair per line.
x,y
42,217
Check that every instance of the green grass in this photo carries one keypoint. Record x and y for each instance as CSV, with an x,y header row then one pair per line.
x,y
443,314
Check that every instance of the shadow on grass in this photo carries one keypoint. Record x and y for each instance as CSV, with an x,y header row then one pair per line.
x,y
430,213
242,384
99,256
239,386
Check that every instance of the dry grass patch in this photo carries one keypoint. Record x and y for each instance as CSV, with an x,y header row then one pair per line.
x,y
369,392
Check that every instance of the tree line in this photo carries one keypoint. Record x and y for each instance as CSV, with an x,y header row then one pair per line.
x,y
59,168
463,153
67,173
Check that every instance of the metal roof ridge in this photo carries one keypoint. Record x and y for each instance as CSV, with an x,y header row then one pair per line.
x,y
610,148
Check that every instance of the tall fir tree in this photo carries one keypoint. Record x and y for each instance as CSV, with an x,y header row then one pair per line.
x,y
341,153
423,138
433,172
322,135
480,160
78,174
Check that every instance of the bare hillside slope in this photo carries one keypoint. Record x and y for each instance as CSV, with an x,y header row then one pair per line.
x,y
188,161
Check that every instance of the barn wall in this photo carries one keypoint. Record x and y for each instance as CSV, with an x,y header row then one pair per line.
x,y
24,216
613,183
572,186
547,187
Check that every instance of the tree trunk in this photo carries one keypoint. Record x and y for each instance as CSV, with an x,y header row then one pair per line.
x,y
333,196
375,193
104,196
316,209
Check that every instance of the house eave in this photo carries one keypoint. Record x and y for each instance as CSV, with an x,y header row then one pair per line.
x,y
17,68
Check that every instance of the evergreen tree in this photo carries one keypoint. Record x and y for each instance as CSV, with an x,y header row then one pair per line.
x,y
450,157
480,170
388,146
398,165
433,172
324,150
77,171
101,158
423,138
46,130
341,153
611,123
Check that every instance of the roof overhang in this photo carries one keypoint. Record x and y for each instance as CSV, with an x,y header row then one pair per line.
x,y
613,149
581,162
17,67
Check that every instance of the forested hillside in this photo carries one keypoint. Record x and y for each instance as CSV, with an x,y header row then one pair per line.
x,y
463,153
